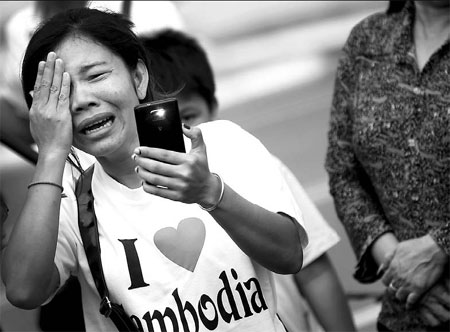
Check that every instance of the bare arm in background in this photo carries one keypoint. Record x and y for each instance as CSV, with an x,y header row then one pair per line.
x,y
319,284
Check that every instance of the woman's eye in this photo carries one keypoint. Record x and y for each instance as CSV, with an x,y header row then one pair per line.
x,y
97,76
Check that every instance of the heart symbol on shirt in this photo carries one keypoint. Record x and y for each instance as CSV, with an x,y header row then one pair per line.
x,y
184,244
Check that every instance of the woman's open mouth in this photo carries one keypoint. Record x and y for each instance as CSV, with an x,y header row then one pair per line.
x,y
98,125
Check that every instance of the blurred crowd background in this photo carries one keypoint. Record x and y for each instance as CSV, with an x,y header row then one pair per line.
x,y
274,63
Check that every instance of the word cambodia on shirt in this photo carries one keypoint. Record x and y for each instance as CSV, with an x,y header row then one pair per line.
x,y
170,264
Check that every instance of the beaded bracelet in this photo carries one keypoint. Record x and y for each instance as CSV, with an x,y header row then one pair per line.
x,y
222,190
44,182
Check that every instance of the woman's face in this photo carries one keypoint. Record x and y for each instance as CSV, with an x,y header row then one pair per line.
x,y
102,97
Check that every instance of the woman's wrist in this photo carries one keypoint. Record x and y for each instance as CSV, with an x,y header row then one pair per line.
x,y
53,157
434,250
214,193
50,167
383,247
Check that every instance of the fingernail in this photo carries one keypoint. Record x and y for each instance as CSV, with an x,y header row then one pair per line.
x,y
186,126
134,156
136,169
137,151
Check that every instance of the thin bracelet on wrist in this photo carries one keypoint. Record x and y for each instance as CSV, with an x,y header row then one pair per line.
x,y
222,190
47,183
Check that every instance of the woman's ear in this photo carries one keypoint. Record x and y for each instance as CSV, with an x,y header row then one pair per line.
x,y
140,79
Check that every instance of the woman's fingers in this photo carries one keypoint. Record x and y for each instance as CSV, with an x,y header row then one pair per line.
x,y
411,300
173,175
438,311
161,191
52,83
445,299
47,77
49,82
63,96
402,293
428,317
388,278
155,166
155,179
55,88
166,156
196,137
37,83
440,295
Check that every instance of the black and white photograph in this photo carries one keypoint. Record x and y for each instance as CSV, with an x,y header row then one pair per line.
x,y
227,166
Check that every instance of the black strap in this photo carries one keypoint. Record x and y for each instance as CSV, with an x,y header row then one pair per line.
x,y
282,323
87,223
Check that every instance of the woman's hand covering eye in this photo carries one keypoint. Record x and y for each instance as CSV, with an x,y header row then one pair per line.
x,y
50,118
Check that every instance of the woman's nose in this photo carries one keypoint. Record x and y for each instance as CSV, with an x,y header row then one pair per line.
x,y
82,98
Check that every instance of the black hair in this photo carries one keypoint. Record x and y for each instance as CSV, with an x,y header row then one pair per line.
x,y
112,30
178,62
395,6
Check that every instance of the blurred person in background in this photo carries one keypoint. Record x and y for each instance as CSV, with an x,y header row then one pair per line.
x,y
388,159
180,64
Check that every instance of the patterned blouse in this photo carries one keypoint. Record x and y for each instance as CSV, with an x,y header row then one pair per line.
x,y
388,158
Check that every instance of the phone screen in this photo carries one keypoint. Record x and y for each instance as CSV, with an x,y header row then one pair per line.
x,y
159,125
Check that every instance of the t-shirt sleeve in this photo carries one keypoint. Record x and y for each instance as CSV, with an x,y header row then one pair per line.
x,y
247,166
321,235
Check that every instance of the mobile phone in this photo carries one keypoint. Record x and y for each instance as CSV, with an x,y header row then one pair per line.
x,y
159,125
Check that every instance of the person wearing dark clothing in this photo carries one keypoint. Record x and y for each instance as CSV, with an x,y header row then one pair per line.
x,y
388,159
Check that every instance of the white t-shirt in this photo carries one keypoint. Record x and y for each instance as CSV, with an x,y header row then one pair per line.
x,y
292,307
185,271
